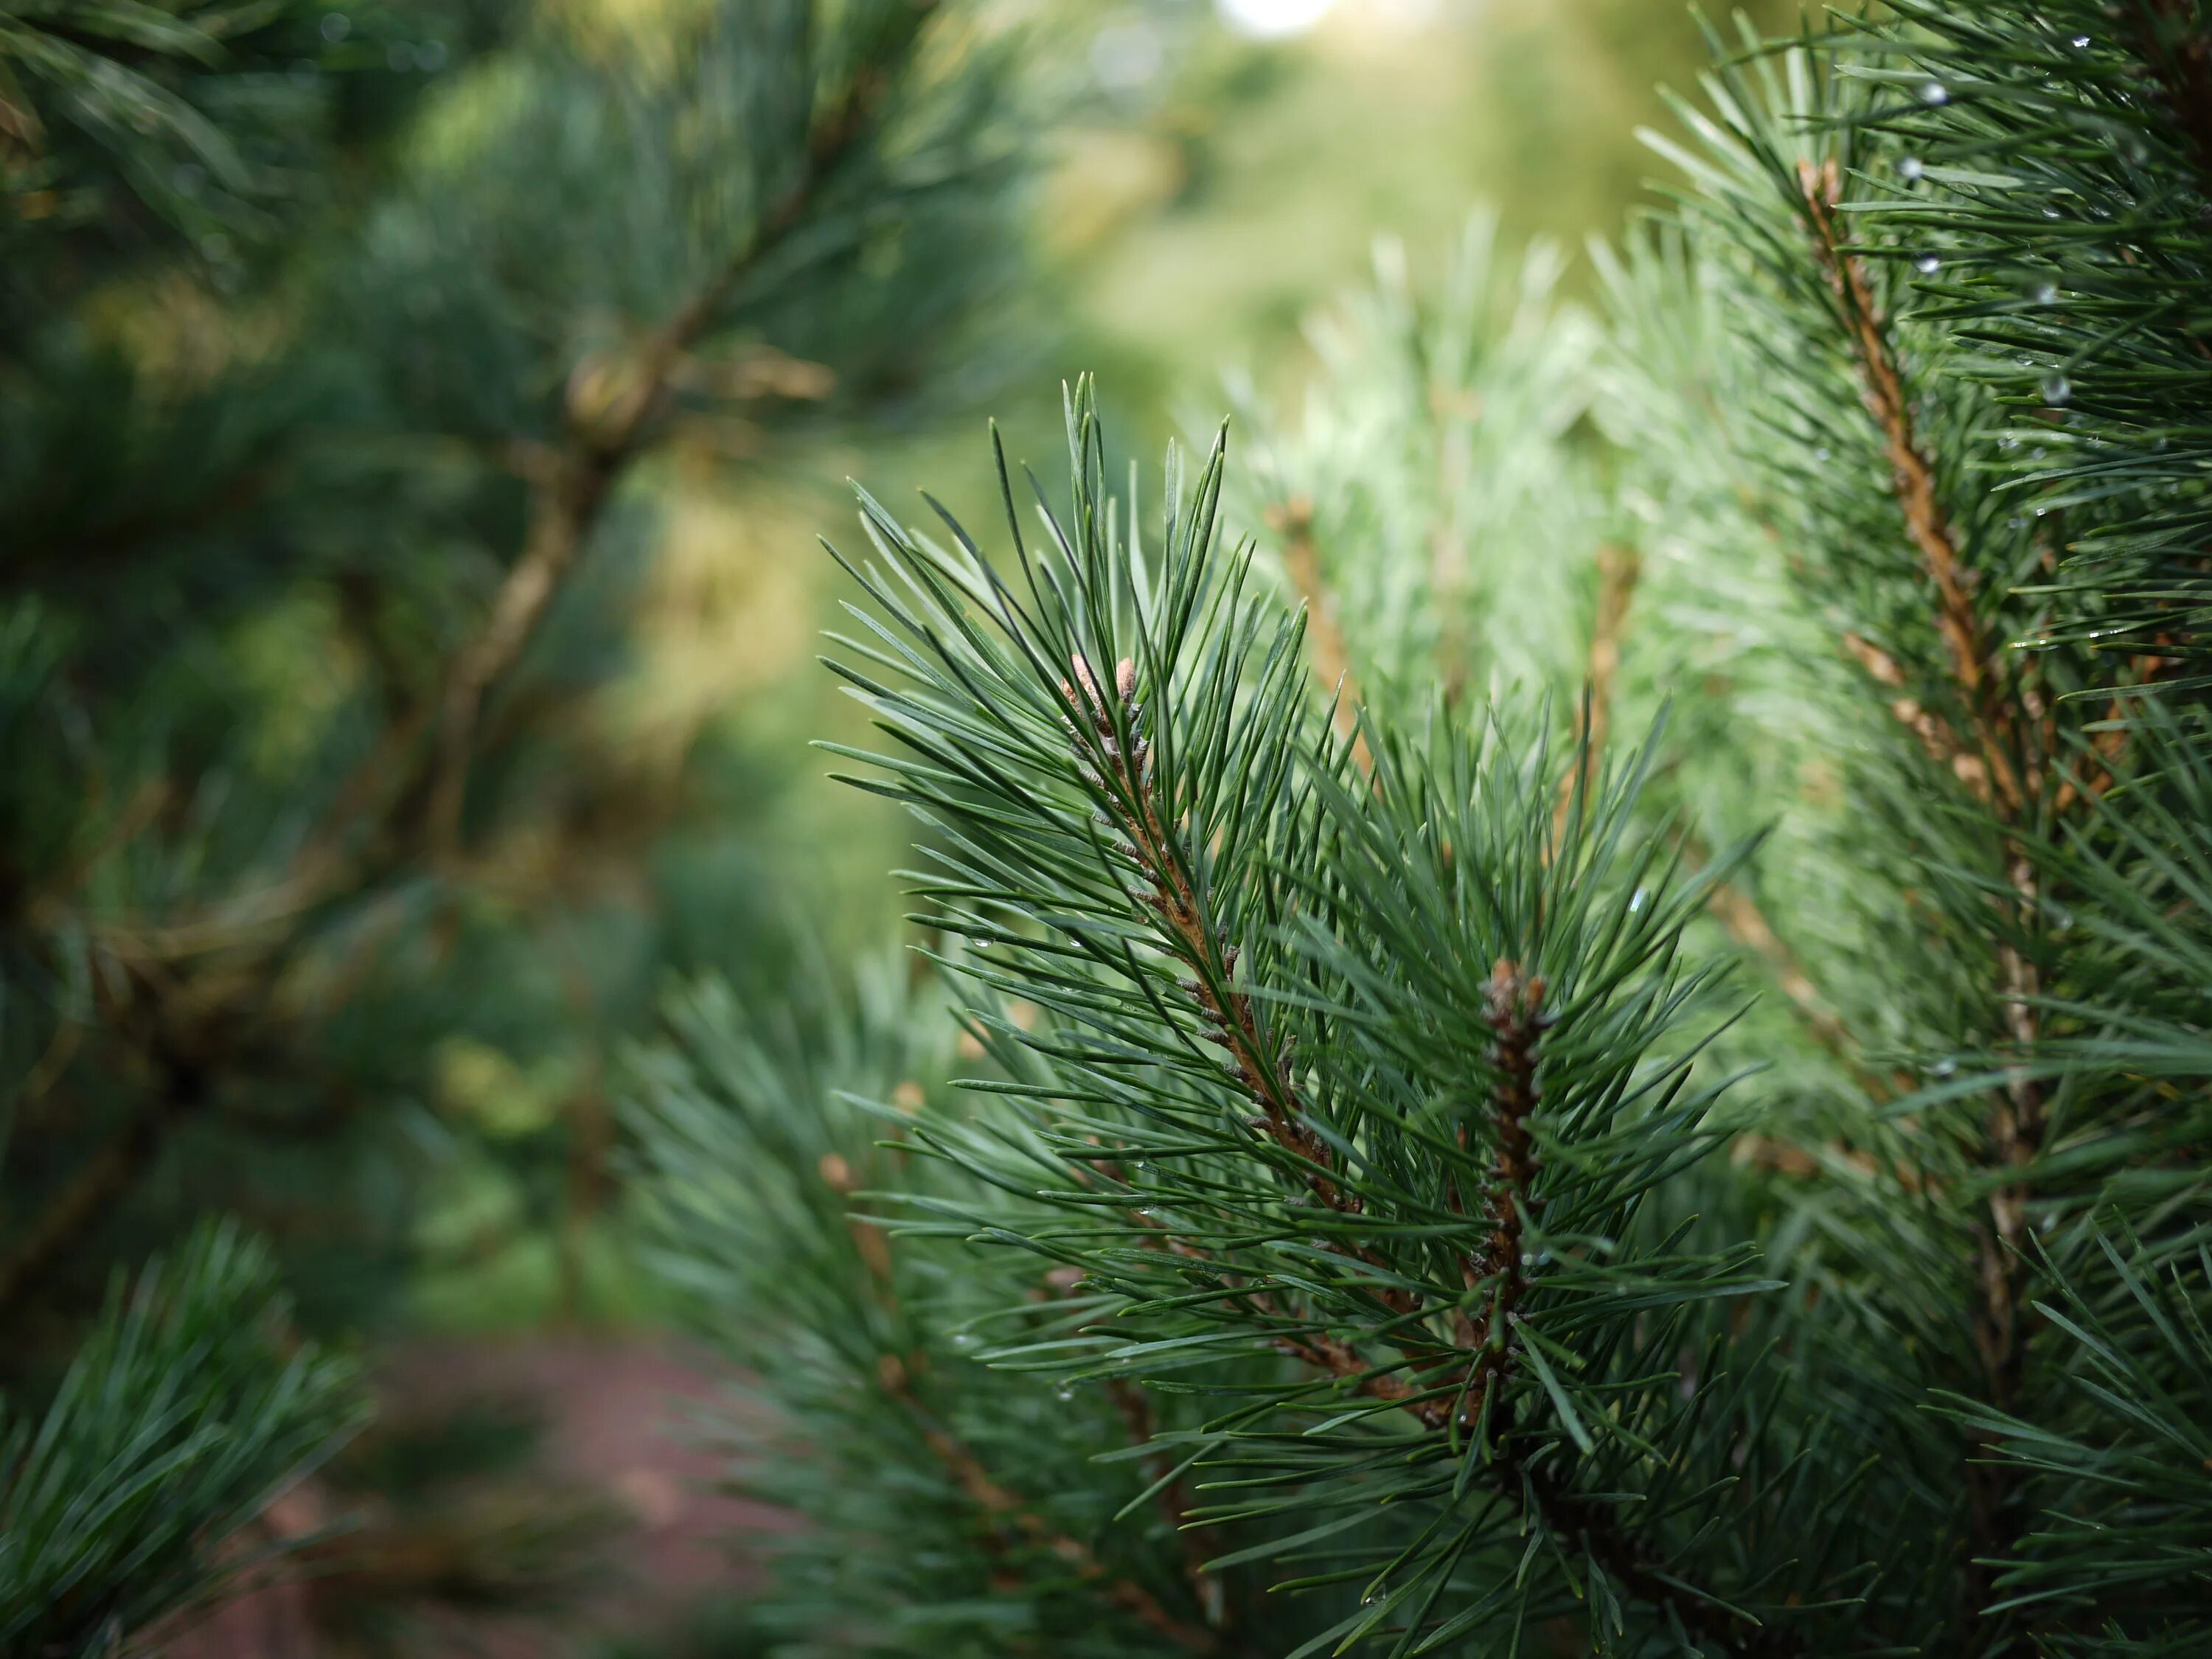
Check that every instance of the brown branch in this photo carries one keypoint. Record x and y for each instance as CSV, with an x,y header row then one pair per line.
x,y
995,1501
1292,520
1619,568
611,412
1913,478
1513,1008
1261,1068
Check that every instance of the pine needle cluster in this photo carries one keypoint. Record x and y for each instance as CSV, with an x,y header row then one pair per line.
x,y
1691,1144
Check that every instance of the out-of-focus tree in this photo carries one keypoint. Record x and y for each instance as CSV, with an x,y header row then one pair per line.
x,y
347,356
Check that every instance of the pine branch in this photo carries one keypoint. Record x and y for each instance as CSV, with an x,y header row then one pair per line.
x,y
606,433
1914,479
1514,1010
1261,1068
1003,1506
2015,1123
1165,876
189,1403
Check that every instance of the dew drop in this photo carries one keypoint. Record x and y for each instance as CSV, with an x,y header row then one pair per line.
x,y
2081,43
1063,1394
2046,294
1636,900
1928,265
2055,391
1910,168
1944,1066
1935,94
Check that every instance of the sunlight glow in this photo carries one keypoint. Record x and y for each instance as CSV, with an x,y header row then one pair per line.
x,y
1273,18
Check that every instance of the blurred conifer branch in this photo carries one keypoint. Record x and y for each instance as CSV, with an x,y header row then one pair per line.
x,y
188,1407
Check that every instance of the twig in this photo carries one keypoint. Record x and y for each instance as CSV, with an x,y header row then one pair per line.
x,y
1618,570
1261,1068
1292,520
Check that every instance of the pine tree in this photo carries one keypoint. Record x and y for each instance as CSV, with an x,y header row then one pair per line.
x,y
346,357
1473,1178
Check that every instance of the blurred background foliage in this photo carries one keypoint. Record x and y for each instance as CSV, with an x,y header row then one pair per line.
x,y
314,318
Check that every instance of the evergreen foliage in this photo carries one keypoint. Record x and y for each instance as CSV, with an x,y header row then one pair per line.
x,y
298,613
348,356
1365,1085
188,1408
